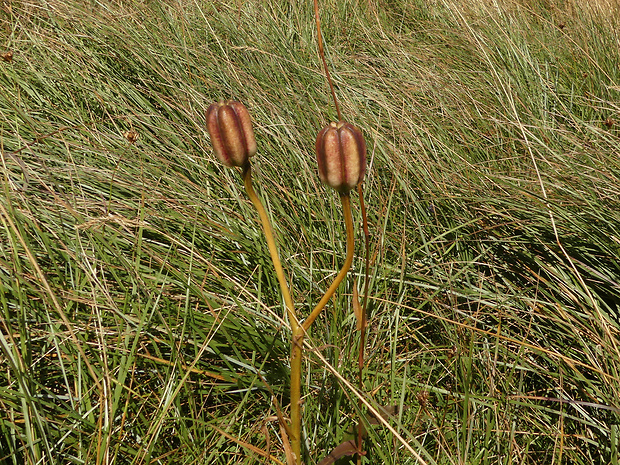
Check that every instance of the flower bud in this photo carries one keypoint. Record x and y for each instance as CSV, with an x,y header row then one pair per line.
x,y
341,153
230,127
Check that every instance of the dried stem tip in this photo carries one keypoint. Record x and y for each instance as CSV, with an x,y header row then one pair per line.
x,y
341,153
230,127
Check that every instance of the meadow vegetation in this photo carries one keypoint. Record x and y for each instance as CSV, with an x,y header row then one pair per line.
x,y
140,317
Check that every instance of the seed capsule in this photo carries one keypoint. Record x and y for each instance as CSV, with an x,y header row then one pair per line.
x,y
341,153
230,127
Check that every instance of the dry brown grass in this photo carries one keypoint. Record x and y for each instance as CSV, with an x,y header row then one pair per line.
x,y
607,10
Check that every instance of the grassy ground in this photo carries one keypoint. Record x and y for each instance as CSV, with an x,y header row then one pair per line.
x,y
140,316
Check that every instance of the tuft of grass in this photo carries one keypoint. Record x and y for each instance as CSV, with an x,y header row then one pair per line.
x,y
141,318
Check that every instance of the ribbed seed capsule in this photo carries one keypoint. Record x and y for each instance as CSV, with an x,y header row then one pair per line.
x,y
230,127
341,153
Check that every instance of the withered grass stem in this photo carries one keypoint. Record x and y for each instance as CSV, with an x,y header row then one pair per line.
x,y
322,53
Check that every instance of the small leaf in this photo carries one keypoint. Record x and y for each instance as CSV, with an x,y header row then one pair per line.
x,y
346,448
288,450
386,412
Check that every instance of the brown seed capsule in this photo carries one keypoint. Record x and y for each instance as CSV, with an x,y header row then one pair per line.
x,y
230,127
341,153
609,122
131,136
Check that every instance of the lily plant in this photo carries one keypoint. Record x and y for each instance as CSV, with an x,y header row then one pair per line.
x,y
341,157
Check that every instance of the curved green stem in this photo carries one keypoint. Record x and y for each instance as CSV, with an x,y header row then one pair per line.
x,y
299,333
298,329
348,219
271,243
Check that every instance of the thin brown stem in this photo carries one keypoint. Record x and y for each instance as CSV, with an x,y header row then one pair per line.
x,y
360,358
360,192
322,53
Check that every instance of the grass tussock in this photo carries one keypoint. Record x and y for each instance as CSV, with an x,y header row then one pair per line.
x,y
141,318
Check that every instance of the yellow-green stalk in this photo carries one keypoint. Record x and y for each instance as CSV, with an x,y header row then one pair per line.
x,y
348,218
271,244
299,333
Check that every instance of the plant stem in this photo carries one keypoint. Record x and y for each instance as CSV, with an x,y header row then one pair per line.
x,y
299,333
348,219
290,307
360,358
298,329
296,358
322,53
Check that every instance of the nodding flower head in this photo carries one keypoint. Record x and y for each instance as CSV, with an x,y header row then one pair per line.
x,y
341,153
230,127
